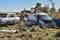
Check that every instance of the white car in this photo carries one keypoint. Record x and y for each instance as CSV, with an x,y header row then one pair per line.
x,y
9,18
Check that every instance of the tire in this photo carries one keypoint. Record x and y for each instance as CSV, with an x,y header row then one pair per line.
x,y
53,25
42,26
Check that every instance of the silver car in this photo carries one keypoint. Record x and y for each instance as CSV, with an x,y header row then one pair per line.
x,y
41,19
8,18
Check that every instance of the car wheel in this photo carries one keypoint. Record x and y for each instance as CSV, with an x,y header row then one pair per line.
x,y
42,26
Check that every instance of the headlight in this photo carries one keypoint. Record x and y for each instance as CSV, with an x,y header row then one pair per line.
x,y
41,22
53,23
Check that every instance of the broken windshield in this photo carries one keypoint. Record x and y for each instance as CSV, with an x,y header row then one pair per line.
x,y
3,15
44,17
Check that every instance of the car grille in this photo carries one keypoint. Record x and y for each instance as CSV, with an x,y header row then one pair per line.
x,y
47,21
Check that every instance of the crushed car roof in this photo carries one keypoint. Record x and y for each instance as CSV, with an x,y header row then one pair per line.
x,y
42,13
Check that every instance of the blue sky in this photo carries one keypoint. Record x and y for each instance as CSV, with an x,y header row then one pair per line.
x,y
18,5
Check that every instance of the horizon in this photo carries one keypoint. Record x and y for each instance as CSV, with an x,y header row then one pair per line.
x,y
19,5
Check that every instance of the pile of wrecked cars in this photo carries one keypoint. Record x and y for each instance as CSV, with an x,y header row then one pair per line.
x,y
41,19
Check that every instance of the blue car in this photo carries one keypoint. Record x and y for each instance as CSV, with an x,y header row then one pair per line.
x,y
57,22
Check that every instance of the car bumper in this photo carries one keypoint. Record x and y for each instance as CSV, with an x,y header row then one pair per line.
x,y
50,24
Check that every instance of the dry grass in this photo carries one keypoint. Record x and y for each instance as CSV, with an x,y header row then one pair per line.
x,y
36,33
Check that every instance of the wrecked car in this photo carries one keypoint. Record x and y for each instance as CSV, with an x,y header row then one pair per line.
x,y
8,18
41,19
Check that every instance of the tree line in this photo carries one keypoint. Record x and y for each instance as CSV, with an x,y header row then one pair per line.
x,y
46,9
